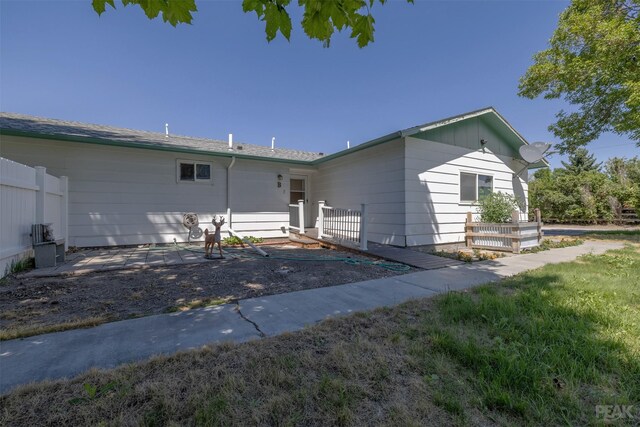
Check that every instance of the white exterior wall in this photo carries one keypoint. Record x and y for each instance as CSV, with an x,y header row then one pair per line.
x,y
259,207
374,176
125,196
434,214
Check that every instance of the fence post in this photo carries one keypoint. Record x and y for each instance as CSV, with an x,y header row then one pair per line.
x,y
64,210
320,219
41,194
363,227
515,232
301,215
469,229
538,217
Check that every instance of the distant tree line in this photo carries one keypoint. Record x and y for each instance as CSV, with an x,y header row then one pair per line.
x,y
586,191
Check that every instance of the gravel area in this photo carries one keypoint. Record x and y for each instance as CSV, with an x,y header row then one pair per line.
x,y
28,302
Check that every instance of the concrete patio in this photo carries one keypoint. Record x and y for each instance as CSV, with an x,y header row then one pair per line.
x,y
94,260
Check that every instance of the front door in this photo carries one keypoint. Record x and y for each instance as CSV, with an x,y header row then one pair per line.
x,y
298,188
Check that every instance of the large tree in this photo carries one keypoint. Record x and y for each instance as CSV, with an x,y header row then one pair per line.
x,y
593,62
321,18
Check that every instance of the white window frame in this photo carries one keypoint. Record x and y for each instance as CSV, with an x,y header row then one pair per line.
x,y
476,173
195,164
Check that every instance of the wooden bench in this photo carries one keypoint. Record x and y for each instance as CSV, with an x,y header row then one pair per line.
x,y
47,250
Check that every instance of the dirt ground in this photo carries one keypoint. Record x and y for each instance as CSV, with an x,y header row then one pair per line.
x,y
28,303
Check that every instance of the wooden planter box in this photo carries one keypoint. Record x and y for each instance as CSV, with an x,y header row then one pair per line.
x,y
512,236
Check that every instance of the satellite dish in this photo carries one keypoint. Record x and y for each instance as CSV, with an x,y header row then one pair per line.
x,y
534,152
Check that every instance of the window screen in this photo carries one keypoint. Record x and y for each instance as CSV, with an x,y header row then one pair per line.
x,y
203,171
297,191
467,187
187,172
485,186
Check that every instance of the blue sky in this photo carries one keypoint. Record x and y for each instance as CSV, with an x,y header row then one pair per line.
x,y
430,60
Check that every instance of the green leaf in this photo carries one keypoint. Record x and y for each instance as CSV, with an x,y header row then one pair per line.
x,y
179,11
101,5
276,19
362,29
90,389
320,18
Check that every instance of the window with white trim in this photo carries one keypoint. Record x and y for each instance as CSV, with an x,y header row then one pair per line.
x,y
191,171
474,187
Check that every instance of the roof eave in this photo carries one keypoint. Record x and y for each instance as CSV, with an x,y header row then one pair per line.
x,y
114,143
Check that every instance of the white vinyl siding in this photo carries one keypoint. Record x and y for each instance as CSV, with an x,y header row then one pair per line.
x,y
126,196
374,176
129,196
434,213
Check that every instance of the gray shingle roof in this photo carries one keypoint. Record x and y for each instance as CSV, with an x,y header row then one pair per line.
x,y
20,124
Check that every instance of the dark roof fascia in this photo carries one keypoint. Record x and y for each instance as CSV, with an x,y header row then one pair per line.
x,y
108,142
443,122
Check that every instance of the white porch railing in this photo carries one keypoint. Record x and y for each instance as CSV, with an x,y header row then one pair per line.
x,y
345,226
296,216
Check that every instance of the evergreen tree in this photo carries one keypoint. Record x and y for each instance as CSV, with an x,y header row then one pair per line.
x,y
581,161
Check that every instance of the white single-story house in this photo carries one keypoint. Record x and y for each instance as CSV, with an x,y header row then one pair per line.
x,y
131,187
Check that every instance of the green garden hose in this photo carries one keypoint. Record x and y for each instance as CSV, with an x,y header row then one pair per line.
x,y
236,253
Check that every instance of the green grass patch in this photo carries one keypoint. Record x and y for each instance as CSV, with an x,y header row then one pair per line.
x,y
555,244
19,266
553,343
197,303
632,236
235,240
29,331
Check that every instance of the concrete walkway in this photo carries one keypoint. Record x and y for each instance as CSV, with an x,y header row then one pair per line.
x,y
65,354
580,230
91,261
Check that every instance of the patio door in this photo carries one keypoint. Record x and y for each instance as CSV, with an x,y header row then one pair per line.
x,y
298,190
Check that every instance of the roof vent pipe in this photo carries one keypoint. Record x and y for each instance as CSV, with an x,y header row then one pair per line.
x,y
273,143
166,130
230,141
348,144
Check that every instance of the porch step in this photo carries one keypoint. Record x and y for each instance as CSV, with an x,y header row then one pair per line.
x,y
387,252
302,240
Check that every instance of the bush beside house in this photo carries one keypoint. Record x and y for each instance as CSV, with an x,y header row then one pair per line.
x,y
589,195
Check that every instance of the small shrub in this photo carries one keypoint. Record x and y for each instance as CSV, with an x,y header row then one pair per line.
x,y
484,256
497,207
465,256
19,266
234,240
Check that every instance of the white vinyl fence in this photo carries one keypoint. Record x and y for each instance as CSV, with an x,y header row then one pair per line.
x,y
28,196
345,226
